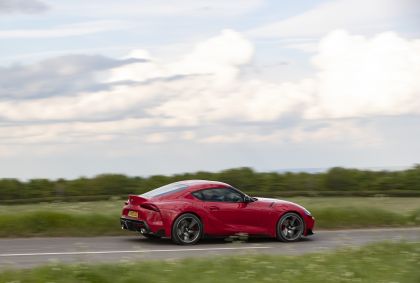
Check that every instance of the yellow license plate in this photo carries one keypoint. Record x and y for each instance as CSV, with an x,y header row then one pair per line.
x,y
134,214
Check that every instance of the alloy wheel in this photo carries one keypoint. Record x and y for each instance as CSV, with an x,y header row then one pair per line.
x,y
187,229
290,227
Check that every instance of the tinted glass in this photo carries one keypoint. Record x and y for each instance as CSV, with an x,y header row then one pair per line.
x,y
219,194
167,189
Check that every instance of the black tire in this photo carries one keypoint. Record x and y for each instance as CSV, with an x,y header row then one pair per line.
x,y
290,227
187,229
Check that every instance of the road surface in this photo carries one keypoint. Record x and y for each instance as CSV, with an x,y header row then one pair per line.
x,y
28,252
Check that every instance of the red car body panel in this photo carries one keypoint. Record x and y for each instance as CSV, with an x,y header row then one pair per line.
x,y
258,217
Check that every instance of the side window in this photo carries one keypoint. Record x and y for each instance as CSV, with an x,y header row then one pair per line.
x,y
198,195
219,194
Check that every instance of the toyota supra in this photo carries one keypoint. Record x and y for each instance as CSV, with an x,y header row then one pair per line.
x,y
187,211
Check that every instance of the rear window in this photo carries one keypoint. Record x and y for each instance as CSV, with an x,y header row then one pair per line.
x,y
167,189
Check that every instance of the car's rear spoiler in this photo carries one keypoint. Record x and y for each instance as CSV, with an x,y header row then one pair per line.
x,y
136,199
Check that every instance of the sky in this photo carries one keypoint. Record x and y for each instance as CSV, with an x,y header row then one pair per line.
x,y
163,87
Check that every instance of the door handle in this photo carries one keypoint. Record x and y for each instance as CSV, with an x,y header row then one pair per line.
x,y
213,208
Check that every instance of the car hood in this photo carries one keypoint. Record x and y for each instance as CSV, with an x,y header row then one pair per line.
x,y
273,201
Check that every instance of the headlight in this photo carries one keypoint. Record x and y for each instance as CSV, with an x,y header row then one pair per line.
x,y
307,212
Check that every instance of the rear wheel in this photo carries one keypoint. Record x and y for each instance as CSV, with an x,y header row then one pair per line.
x,y
290,227
187,229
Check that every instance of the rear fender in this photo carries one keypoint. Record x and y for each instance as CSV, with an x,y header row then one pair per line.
x,y
190,212
170,215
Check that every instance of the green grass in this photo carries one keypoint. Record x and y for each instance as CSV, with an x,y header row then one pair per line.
x,y
51,223
383,262
353,217
102,217
110,207
398,204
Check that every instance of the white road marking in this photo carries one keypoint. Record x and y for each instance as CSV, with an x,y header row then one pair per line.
x,y
369,230
133,251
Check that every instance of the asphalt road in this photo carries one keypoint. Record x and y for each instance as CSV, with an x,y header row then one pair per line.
x,y
28,252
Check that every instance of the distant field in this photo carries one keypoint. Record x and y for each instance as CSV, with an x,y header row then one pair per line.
x,y
110,207
396,204
375,263
102,217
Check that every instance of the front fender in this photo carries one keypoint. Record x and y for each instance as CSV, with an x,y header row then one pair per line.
x,y
309,220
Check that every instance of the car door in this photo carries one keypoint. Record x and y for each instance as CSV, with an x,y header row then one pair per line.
x,y
255,217
223,208
228,213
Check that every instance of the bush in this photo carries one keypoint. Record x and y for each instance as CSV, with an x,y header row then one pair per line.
x,y
337,181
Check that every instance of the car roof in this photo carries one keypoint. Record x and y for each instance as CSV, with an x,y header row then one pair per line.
x,y
198,184
181,187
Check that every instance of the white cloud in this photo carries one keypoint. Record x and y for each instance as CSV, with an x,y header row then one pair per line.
x,y
156,138
22,6
130,8
71,132
359,76
355,77
220,57
357,16
78,29
349,132
82,106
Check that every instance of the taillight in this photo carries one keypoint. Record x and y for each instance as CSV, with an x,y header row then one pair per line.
x,y
149,206
136,200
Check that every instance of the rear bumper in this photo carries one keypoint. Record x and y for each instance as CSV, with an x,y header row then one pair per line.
x,y
139,226
134,225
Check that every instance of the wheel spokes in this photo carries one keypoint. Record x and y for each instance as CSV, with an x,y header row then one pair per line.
x,y
192,223
188,229
292,227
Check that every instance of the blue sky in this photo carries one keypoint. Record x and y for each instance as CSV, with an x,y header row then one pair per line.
x,y
161,87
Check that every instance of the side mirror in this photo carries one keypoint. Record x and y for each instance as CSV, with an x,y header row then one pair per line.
x,y
248,199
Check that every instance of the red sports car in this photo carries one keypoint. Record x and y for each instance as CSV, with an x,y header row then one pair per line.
x,y
186,211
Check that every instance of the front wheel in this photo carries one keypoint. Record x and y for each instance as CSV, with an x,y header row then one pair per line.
x,y
187,229
290,227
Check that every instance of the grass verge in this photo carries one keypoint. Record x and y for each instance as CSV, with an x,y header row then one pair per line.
x,y
48,223
352,217
51,223
383,262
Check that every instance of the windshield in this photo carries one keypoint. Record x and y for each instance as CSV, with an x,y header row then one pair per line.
x,y
167,189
